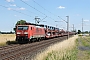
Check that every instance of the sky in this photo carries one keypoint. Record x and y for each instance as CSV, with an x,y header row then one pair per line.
x,y
50,12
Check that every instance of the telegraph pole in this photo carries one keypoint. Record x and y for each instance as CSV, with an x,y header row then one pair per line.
x,y
82,25
73,27
67,26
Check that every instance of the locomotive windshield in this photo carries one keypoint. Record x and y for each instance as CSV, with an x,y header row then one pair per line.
x,y
22,27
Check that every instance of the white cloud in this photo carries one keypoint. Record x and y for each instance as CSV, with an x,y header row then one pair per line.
x,y
16,8
9,8
13,5
86,20
25,0
61,7
10,0
15,15
21,8
78,15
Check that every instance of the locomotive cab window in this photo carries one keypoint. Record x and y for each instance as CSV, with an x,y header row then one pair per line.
x,y
31,28
22,27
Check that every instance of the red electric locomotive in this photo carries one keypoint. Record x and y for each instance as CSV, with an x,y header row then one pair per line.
x,y
26,33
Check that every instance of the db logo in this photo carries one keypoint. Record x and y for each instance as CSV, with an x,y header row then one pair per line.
x,y
22,32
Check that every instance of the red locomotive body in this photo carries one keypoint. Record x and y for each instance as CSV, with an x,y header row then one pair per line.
x,y
26,33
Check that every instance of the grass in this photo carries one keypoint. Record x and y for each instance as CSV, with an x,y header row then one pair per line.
x,y
88,52
84,54
3,44
65,50
68,54
5,38
85,41
72,53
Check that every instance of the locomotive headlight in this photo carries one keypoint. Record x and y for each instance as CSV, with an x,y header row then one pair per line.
x,y
25,32
18,35
18,32
26,35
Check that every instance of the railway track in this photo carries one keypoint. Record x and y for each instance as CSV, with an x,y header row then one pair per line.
x,y
16,52
8,46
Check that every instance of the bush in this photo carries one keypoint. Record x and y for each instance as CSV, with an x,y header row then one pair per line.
x,y
80,35
11,42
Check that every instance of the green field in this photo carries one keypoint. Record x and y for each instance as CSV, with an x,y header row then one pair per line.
x,y
83,48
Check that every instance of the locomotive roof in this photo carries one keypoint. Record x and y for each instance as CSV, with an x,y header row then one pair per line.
x,y
39,25
34,24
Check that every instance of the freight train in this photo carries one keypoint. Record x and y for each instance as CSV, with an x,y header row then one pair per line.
x,y
30,32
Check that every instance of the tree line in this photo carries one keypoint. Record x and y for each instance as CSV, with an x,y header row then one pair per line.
x,y
7,32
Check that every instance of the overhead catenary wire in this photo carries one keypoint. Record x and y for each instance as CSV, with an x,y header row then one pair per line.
x,y
43,18
32,7
20,7
21,12
47,10
36,9
62,19
54,15
38,4
16,11
42,7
